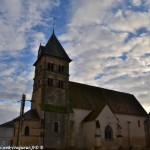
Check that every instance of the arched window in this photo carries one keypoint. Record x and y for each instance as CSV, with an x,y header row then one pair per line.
x,y
61,69
60,84
50,82
108,133
50,66
56,127
26,131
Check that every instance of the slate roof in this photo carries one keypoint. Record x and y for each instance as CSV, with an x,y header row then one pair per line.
x,y
92,98
54,48
8,124
30,115
93,114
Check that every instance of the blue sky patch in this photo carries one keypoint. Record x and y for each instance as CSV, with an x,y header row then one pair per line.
x,y
99,76
124,56
136,34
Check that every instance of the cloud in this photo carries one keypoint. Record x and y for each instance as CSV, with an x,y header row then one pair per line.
x,y
17,22
105,40
103,51
128,20
11,113
136,2
20,35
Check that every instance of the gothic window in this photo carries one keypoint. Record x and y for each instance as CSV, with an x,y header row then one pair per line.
x,y
50,66
108,133
56,127
139,124
26,131
50,82
60,84
61,69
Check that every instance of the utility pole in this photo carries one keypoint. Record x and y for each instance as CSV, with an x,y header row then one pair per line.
x,y
21,118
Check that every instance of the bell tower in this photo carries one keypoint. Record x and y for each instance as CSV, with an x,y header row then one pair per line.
x,y
51,74
50,92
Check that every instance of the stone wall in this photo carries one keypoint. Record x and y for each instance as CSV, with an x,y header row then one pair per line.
x,y
34,137
84,133
133,130
7,135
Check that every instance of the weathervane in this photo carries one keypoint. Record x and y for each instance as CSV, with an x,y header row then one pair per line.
x,y
54,24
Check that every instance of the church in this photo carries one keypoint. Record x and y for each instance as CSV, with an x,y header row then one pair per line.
x,y
70,115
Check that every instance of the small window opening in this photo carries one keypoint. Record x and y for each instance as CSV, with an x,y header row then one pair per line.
x,y
60,84
61,69
97,124
50,82
139,124
108,133
50,66
26,131
56,127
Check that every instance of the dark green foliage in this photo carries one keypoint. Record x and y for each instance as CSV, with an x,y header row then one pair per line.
x,y
54,108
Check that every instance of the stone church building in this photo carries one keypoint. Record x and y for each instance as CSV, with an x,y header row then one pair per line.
x,y
71,115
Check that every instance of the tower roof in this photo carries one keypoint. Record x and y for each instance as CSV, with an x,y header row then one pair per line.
x,y
54,48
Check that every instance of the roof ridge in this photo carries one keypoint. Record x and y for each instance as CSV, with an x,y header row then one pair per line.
x,y
101,88
94,113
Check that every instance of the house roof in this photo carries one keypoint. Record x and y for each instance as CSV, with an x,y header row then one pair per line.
x,y
30,115
93,98
8,124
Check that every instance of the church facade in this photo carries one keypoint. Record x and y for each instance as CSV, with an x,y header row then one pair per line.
x,y
70,115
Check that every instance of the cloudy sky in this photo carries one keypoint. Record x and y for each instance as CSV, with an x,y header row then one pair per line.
x,y
108,41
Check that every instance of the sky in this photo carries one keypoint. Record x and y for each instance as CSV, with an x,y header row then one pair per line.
x,y
108,41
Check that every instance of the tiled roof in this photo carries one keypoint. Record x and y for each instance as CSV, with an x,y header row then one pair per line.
x,y
93,114
90,97
7,124
30,115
